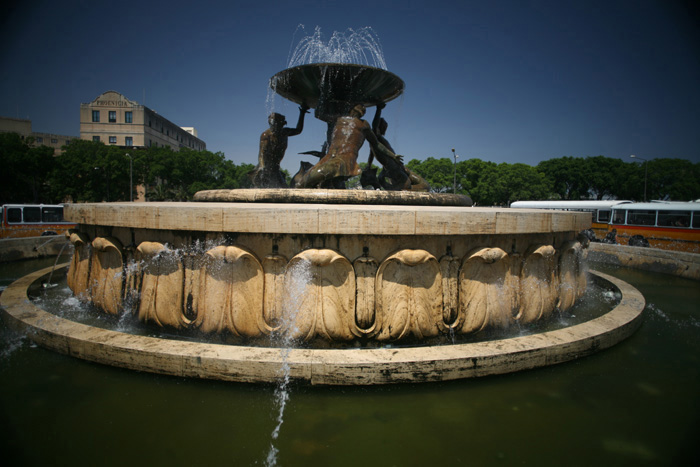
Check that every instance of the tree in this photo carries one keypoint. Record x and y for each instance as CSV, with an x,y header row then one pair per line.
x,y
439,173
90,171
25,170
673,179
604,176
565,176
470,174
505,183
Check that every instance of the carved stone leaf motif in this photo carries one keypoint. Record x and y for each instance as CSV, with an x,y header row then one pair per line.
x,y
193,271
320,285
582,270
78,278
161,286
486,294
230,294
132,282
274,266
106,274
449,268
538,285
365,273
569,268
409,296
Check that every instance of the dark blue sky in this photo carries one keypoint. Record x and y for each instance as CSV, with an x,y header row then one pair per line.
x,y
504,81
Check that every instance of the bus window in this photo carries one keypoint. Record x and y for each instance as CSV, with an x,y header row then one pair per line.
x,y
32,214
51,214
641,217
674,218
604,216
618,216
14,215
696,220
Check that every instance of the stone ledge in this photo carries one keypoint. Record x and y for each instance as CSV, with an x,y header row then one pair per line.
x,y
677,263
15,249
331,219
326,366
321,196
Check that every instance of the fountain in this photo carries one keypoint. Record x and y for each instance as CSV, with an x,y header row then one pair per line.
x,y
390,275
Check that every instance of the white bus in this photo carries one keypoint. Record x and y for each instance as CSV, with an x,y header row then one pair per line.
x,y
601,211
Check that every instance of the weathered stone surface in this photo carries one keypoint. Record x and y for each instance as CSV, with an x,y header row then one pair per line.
x,y
17,249
292,218
321,196
676,263
326,366
409,296
78,278
488,298
161,294
106,274
231,293
320,290
320,293
538,284
374,272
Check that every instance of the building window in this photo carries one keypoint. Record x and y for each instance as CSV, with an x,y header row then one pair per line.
x,y
95,115
112,140
128,141
67,141
39,139
96,139
112,116
128,117
54,141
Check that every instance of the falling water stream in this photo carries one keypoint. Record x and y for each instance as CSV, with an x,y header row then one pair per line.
x,y
300,277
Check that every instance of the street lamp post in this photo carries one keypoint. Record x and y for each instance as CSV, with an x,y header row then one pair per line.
x,y
645,174
454,181
131,178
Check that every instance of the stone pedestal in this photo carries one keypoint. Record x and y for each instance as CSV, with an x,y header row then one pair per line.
x,y
324,271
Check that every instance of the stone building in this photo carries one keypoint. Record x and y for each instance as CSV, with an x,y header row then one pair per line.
x,y
116,120
24,129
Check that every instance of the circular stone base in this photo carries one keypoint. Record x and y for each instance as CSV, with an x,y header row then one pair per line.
x,y
326,366
319,196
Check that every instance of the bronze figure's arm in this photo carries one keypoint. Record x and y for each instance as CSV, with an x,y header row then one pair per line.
x,y
303,110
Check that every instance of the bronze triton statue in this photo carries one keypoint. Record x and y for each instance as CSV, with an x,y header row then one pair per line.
x,y
340,162
273,144
394,175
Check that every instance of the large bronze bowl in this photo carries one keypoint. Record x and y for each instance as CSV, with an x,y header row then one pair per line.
x,y
328,87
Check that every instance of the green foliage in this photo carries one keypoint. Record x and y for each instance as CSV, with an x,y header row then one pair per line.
x,y
487,183
91,171
603,175
677,179
439,173
565,177
573,178
24,170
